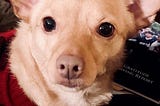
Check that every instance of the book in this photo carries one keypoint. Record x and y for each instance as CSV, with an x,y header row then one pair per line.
x,y
140,73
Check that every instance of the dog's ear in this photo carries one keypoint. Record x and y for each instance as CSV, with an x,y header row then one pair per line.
x,y
22,8
144,11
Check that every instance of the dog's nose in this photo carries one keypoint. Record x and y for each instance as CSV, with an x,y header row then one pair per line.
x,y
70,66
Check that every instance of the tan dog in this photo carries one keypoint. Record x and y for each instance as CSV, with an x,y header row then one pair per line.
x,y
66,51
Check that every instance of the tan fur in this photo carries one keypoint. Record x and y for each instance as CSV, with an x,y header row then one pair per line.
x,y
34,52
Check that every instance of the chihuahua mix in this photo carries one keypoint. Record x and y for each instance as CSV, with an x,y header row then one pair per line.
x,y
65,52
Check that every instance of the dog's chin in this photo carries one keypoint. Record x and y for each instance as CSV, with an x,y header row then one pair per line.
x,y
68,89
70,85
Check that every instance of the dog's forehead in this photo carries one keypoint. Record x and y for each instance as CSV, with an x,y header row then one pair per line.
x,y
76,5
81,8
88,13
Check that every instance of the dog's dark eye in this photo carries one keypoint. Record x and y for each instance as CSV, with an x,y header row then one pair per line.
x,y
49,24
106,29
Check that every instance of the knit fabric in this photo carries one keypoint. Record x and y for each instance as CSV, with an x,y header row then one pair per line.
x,y
10,92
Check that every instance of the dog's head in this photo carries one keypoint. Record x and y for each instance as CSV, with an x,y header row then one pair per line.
x,y
73,42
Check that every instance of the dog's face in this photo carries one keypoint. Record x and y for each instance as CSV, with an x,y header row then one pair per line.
x,y
72,43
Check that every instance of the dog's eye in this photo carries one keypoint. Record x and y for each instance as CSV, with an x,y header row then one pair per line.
x,y
49,24
106,29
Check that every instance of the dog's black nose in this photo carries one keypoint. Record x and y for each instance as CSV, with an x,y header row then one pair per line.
x,y
70,66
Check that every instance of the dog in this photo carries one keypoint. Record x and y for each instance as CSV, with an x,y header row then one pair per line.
x,y
65,52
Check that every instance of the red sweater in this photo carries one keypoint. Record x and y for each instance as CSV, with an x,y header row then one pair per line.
x,y
10,92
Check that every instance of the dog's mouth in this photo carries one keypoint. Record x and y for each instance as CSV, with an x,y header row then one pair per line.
x,y
69,84
72,83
